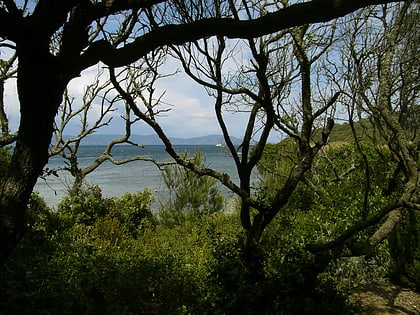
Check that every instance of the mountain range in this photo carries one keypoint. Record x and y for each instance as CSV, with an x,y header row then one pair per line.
x,y
103,139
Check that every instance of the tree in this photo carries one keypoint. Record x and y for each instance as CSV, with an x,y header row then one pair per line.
x,y
5,157
259,86
100,90
380,86
7,71
190,195
86,34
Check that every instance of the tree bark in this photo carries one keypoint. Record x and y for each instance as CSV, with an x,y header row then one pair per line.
x,y
387,227
40,89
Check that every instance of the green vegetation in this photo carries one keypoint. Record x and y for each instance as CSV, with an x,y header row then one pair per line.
x,y
335,195
97,255
335,206
88,208
98,267
190,195
405,250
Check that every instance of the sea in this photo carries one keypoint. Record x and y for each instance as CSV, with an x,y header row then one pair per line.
x,y
132,177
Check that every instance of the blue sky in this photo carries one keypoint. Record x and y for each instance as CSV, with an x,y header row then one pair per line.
x,y
191,113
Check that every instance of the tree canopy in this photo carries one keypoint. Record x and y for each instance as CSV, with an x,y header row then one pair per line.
x,y
52,42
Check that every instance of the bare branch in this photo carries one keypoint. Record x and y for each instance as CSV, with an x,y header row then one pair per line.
x,y
297,14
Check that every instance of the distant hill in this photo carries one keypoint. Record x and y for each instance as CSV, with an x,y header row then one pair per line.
x,y
98,139
343,132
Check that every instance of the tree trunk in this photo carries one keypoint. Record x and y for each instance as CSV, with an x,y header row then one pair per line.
x,y
40,90
252,239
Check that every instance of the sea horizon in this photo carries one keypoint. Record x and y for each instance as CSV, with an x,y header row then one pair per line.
x,y
133,177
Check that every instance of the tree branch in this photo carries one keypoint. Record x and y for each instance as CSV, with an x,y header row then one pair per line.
x,y
315,11
338,241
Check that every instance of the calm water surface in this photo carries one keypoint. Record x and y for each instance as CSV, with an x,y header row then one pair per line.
x,y
131,177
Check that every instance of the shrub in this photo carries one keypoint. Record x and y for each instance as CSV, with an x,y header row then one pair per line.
x,y
190,195
196,268
86,206
27,279
134,211
89,206
405,250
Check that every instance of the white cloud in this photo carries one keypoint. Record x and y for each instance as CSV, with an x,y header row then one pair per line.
x,y
77,86
192,109
11,103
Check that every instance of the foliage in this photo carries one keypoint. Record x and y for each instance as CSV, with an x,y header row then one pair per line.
x,y
26,279
86,206
190,195
336,178
333,191
343,132
196,268
114,258
105,270
41,220
330,199
89,207
405,250
274,166
134,211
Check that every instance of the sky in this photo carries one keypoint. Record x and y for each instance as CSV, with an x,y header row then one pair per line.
x,y
191,115
191,108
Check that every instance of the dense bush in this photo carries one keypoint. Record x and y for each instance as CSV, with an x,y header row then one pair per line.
x,y
134,211
89,207
330,199
27,280
86,206
98,255
101,268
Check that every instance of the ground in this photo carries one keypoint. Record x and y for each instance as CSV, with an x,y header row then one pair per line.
x,y
387,299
